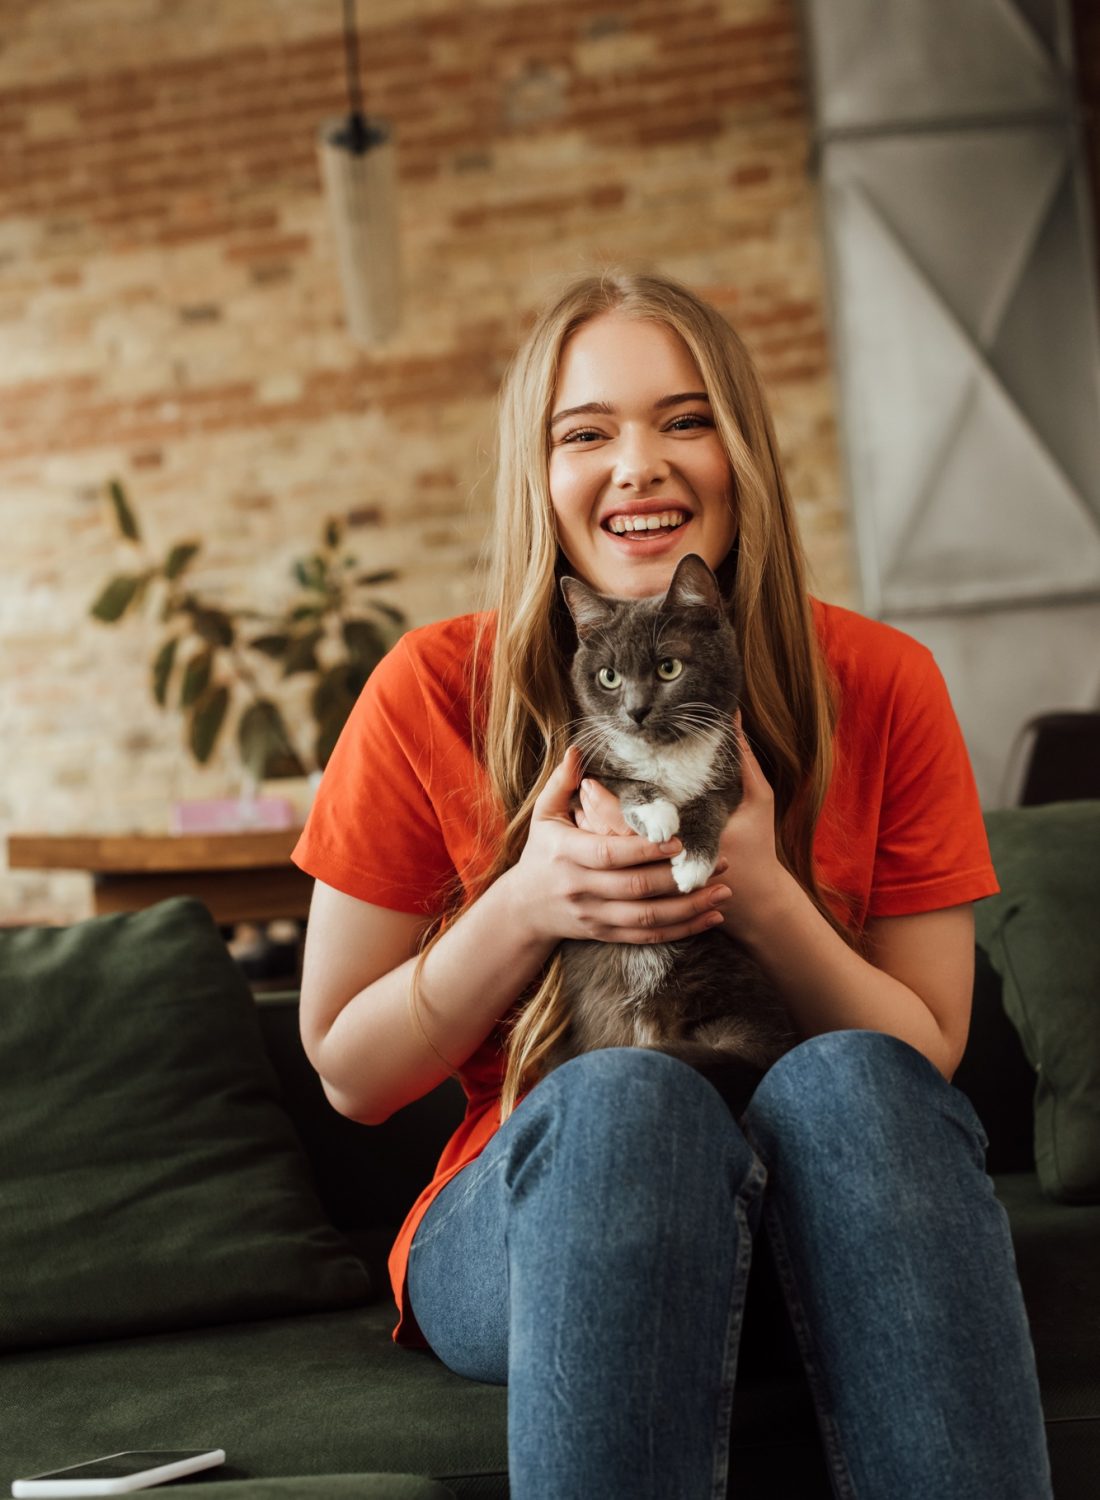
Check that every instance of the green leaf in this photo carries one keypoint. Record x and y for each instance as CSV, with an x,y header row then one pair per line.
x,y
196,678
117,597
333,533
328,732
274,646
307,612
311,573
336,692
180,555
206,722
386,576
365,642
127,523
395,616
264,743
214,625
302,655
162,669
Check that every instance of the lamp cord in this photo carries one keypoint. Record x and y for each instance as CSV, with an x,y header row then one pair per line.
x,y
357,120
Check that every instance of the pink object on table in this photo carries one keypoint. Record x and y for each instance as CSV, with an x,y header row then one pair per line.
x,y
232,814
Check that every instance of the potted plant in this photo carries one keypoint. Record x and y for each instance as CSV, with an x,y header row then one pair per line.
x,y
223,667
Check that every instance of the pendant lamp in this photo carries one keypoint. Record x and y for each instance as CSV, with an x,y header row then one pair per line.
x,y
359,172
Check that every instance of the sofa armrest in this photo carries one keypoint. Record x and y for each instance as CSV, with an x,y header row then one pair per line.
x,y
997,1077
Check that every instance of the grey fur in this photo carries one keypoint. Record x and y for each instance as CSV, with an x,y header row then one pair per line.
x,y
651,741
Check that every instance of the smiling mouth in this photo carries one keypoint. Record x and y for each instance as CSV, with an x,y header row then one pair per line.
x,y
667,520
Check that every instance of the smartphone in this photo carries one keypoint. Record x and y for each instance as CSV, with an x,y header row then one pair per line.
x,y
120,1474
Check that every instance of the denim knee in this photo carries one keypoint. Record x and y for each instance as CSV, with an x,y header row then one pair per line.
x,y
861,1099
628,1111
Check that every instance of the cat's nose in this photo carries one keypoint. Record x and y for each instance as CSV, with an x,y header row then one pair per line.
x,y
638,714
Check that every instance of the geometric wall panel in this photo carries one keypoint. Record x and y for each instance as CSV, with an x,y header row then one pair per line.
x,y
908,61
967,339
1005,666
960,276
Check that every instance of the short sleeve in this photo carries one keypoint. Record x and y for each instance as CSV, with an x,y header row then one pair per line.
x,y
931,849
372,831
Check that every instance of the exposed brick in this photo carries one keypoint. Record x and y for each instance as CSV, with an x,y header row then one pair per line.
x,y
172,311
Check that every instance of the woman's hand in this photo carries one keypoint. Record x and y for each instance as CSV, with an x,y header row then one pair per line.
x,y
599,882
746,846
759,883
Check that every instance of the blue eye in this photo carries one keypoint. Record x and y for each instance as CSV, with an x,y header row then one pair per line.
x,y
608,678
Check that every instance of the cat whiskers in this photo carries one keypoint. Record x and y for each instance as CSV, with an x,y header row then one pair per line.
x,y
590,736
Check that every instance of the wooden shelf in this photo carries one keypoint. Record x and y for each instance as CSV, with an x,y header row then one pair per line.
x,y
241,877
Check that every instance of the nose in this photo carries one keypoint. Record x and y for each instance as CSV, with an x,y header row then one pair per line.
x,y
639,463
639,714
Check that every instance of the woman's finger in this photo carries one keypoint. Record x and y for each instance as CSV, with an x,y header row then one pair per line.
x,y
602,809
664,921
553,800
753,780
618,851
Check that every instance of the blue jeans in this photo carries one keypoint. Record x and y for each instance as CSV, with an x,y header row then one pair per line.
x,y
594,1258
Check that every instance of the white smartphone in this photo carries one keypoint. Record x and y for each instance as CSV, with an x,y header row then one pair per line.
x,y
119,1474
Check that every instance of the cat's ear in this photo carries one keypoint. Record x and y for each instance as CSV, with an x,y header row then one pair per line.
x,y
693,586
590,610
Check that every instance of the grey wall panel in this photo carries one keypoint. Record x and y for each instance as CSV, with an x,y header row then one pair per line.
x,y
964,316
908,62
1004,667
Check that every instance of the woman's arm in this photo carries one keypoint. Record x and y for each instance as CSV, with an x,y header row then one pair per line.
x,y
357,1027
915,982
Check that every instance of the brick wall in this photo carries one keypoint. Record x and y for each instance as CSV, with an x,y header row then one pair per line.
x,y
170,315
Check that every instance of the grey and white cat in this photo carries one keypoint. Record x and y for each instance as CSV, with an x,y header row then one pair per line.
x,y
656,683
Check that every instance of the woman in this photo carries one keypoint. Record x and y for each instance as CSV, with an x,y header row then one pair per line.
x,y
590,1244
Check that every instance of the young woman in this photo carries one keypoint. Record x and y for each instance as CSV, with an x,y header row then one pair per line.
x,y
589,1244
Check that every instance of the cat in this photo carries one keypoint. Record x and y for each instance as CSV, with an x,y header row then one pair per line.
x,y
656,683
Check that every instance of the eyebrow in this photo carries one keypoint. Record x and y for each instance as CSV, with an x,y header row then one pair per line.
x,y
604,408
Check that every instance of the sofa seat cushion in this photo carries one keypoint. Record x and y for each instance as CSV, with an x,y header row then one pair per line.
x,y
325,1393
1057,1257
322,1487
152,1178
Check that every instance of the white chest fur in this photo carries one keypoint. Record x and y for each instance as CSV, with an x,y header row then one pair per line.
x,y
682,771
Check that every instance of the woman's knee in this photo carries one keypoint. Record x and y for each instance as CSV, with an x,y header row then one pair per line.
x,y
634,1110
859,1095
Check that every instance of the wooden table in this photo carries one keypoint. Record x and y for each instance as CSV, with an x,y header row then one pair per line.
x,y
241,877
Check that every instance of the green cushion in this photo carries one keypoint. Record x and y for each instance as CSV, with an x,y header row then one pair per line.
x,y
329,1394
152,1179
321,1487
1042,934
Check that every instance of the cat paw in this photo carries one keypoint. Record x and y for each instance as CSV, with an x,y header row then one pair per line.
x,y
656,821
690,871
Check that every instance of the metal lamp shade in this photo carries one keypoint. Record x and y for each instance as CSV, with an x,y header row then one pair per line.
x,y
359,172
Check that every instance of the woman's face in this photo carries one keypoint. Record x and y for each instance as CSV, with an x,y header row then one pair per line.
x,y
638,475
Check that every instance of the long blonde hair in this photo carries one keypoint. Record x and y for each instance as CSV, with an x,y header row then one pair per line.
x,y
521,724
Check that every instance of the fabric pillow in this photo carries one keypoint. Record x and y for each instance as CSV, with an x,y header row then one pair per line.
x,y
1042,934
151,1178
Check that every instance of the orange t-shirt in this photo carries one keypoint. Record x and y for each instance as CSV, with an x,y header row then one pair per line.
x,y
901,830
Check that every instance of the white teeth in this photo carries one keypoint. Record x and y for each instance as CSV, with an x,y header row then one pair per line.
x,y
669,518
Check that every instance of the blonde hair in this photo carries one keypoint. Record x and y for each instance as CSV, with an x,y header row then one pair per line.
x,y
521,726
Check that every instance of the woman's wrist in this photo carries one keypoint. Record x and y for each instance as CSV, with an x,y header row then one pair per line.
x,y
760,921
520,911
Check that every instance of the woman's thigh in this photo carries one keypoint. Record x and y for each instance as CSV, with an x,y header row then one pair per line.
x,y
620,1157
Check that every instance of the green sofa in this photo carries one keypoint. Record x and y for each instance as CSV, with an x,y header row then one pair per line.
x,y
192,1249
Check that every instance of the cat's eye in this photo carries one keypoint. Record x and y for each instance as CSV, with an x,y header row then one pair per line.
x,y
607,677
669,669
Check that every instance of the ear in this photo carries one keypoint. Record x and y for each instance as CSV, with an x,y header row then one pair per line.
x,y
693,586
590,611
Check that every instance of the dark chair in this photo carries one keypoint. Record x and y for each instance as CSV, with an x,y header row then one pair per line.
x,y
1061,757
